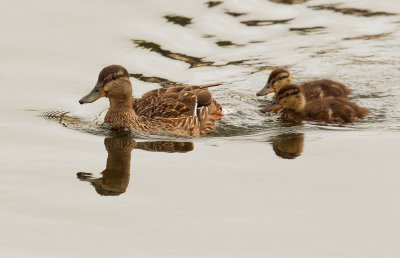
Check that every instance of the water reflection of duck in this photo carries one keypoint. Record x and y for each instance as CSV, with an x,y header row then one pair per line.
x,y
297,108
182,110
115,178
317,89
289,145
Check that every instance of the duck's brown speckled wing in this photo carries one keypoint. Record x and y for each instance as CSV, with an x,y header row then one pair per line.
x,y
170,105
203,95
176,101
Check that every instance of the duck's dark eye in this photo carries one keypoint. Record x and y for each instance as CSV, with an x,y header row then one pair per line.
x,y
96,90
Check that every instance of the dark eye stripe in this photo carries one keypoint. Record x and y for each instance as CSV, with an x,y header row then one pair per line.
x,y
287,94
111,78
280,78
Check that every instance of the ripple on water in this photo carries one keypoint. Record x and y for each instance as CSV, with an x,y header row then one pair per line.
x,y
350,11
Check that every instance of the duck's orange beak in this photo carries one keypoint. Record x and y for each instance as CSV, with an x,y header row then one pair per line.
x,y
266,90
94,95
271,107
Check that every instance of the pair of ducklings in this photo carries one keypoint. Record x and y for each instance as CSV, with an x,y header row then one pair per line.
x,y
319,100
192,110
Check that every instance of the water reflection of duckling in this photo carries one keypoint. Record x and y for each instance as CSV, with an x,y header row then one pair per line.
x,y
182,110
115,178
297,108
317,89
289,145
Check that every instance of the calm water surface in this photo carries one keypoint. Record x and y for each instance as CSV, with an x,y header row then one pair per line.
x,y
256,187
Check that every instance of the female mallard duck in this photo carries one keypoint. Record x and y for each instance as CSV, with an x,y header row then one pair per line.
x,y
317,89
297,108
182,110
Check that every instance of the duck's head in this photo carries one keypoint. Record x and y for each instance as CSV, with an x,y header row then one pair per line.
x,y
112,82
289,97
278,79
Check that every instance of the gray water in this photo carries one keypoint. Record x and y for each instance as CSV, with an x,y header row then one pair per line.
x,y
255,187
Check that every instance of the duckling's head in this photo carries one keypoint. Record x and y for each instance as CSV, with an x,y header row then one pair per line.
x,y
277,80
113,81
289,97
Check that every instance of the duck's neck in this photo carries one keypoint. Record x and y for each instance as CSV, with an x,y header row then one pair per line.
x,y
121,103
121,114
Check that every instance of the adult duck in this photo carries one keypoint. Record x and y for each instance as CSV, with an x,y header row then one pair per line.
x,y
182,110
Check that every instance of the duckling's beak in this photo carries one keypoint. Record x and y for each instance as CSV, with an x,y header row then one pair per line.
x,y
94,95
274,105
266,90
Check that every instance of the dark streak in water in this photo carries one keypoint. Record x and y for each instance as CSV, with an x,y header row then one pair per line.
x,y
193,61
238,62
165,83
256,41
306,30
207,36
180,20
235,14
369,37
225,43
350,11
211,4
265,22
289,1
269,68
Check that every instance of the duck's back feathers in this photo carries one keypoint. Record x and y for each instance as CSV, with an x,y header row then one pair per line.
x,y
186,110
177,101
178,89
324,88
167,105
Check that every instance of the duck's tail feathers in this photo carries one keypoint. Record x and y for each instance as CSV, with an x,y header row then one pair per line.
x,y
360,111
206,121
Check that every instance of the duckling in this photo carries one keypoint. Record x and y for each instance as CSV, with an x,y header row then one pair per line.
x,y
317,89
182,110
297,108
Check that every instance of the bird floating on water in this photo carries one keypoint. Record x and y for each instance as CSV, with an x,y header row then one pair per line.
x,y
181,110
